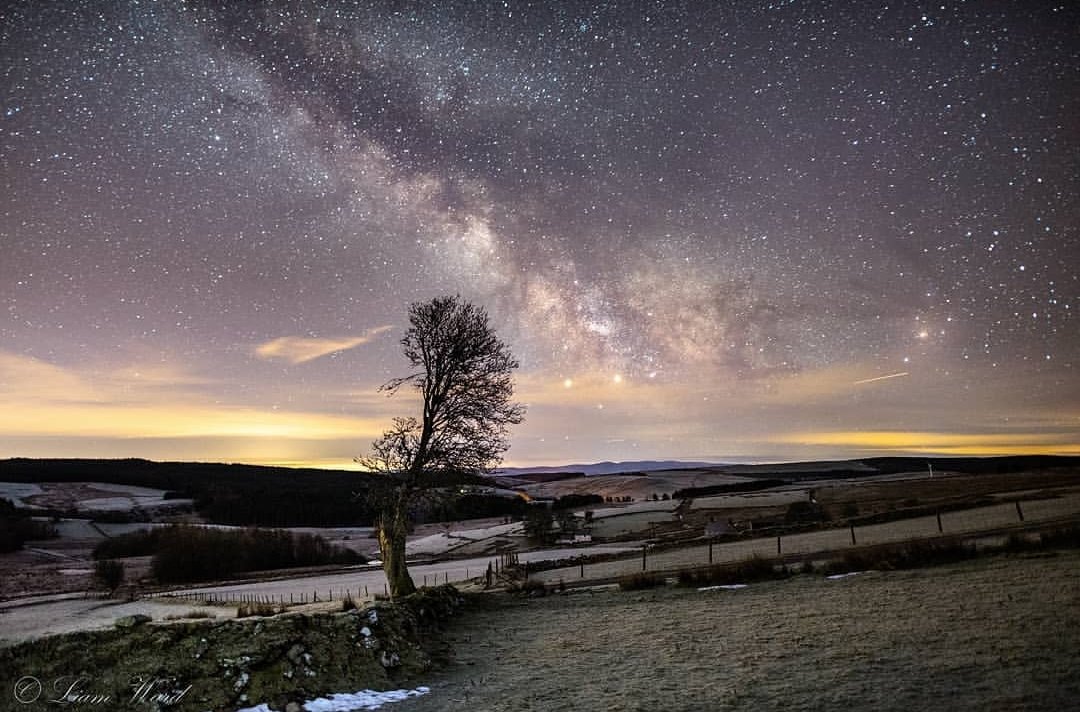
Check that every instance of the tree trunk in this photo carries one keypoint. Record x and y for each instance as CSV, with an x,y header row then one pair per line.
x,y
393,527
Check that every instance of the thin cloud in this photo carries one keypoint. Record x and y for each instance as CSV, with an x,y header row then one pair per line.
x,y
299,349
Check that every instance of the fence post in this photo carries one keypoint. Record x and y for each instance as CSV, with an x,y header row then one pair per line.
x,y
853,535
1019,512
941,530
710,551
778,552
643,549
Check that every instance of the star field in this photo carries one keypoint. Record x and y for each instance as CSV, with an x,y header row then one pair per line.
x,y
754,230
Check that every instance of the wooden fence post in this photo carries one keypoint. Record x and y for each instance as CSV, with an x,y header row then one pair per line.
x,y
853,535
1019,512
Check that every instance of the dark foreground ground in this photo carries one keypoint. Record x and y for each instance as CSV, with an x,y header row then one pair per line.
x,y
1000,633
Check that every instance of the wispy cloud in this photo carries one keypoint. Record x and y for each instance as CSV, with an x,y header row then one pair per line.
x,y
300,349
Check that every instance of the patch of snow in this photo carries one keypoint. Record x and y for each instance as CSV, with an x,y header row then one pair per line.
x,y
836,577
348,702
724,587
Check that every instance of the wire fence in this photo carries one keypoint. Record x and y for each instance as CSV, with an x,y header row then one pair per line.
x,y
299,591
1004,516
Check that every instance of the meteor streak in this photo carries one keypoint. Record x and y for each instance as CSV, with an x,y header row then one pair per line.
x,y
881,378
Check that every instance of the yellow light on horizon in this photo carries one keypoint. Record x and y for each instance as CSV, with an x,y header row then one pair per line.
x,y
971,444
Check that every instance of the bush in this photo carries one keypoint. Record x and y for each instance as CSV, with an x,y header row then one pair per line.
x,y
138,543
640,581
108,573
804,512
1066,537
901,556
245,610
747,571
528,587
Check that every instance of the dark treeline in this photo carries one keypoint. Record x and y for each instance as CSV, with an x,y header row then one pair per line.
x,y
249,495
472,506
190,553
752,486
573,501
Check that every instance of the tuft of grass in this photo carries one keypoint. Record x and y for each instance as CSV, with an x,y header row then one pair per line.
x,y
1067,537
348,604
188,616
640,581
528,587
901,556
247,610
746,571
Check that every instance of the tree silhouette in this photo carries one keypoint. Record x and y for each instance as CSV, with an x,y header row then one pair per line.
x,y
462,373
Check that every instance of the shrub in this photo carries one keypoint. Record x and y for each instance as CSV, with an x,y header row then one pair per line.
x,y
109,573
1065,537
190,615
528,587
747,571
246,610
803,512
138,543
640,581
901,556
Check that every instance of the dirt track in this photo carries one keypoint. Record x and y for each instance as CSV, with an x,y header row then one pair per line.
x,y
993,634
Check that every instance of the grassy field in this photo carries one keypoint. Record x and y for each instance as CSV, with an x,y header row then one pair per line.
x,y
1001,633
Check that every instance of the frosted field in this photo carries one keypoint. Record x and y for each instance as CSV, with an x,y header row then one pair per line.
x,y
992,634
18,491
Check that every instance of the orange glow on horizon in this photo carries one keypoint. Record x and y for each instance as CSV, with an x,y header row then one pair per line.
x,y
956,444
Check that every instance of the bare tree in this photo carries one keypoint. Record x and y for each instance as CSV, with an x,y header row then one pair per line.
x,y
463,374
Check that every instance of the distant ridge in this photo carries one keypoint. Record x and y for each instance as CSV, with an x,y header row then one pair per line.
x,y
808,469
608,467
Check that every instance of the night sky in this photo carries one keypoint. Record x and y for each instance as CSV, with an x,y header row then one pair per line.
x,y
735,230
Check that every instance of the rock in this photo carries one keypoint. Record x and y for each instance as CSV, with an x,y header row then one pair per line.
x,y
366,632
295,653
389,659
132,620
294,707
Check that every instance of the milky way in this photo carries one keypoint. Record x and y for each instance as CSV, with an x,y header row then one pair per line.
x,y
732,230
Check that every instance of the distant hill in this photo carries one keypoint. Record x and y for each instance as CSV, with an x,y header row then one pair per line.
x,y
608,468
223,493
799,470
252,495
